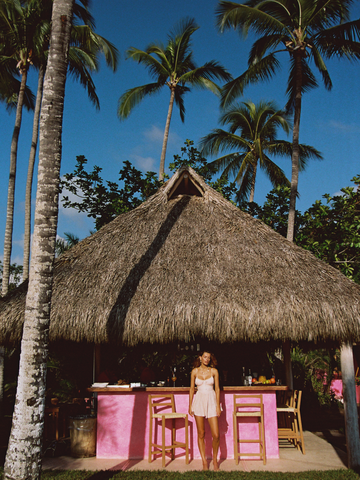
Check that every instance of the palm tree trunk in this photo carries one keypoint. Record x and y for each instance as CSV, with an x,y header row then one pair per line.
x,y
166,134
350,407
253,179
34,141
11,187
295,151
23,457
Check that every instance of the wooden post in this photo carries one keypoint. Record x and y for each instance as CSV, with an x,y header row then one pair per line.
x,y
2,362
287,364
350,407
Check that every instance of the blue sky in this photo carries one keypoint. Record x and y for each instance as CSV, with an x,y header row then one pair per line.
x,y
329,122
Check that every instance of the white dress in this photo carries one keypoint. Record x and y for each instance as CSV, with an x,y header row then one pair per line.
x,y
204,403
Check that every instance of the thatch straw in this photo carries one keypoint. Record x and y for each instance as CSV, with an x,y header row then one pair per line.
x,y
184,265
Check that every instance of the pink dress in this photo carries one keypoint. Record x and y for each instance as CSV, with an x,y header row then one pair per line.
x,y
204,403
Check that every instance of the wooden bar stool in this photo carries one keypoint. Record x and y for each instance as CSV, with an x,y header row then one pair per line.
x,y
290,427
255,408
157,405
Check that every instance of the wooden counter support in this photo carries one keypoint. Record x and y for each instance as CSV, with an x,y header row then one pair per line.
x,y
123,421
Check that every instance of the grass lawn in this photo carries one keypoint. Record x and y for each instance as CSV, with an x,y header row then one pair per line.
x,y
162,474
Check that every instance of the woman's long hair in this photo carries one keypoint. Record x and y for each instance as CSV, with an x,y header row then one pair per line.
x,y
213,361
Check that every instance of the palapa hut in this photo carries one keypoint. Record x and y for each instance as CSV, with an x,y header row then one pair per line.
x,y
189,263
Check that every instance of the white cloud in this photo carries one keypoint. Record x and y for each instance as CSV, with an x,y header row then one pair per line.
x,y
20,241
144,163
154,134
70,213
346,128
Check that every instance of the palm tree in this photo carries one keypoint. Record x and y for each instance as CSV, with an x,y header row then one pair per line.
x,y
21,28
85,48
9,89
307,31
252,133
23,458
171,66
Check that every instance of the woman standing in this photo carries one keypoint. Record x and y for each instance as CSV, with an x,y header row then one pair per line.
x,y
206,403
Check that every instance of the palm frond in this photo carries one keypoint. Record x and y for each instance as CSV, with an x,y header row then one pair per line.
x,y
308,152
80,71
275,174
245,184
320,64
261,70
243,17
179,100
220,140
208,71
84,36
155,67
133,97
340,40
264,44
308,82
325,13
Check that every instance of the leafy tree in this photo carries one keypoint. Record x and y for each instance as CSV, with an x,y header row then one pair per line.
x,y
104,201
20,34
16,275
171,66
23,457
275,211
331,230
307,31
252,133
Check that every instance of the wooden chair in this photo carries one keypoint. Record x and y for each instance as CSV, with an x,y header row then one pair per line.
x,y
290,425
255,408
157,406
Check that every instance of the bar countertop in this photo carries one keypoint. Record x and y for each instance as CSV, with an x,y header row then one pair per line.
x,y
225,388
123,422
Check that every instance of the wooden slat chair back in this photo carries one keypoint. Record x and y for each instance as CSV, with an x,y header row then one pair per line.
x,y
249,406
162,407
289,420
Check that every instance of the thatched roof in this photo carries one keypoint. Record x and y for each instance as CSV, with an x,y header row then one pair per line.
x,y
188,263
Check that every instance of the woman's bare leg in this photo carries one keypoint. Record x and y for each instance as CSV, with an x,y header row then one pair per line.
x,y
214,427
200,425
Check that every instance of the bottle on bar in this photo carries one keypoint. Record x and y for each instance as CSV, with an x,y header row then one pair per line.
x,y
249,378
243,377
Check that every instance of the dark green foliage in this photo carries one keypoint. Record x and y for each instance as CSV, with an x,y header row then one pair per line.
x,y
15,275
331,230
313,371
191,157
275,210
101,200
104,200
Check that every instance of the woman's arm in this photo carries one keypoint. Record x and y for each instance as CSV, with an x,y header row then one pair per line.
x,y
217,391
192,390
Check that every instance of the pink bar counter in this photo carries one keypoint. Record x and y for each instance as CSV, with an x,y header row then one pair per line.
x,y
123,422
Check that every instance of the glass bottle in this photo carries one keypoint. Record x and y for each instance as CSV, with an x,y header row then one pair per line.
x,y
243,377
249,378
